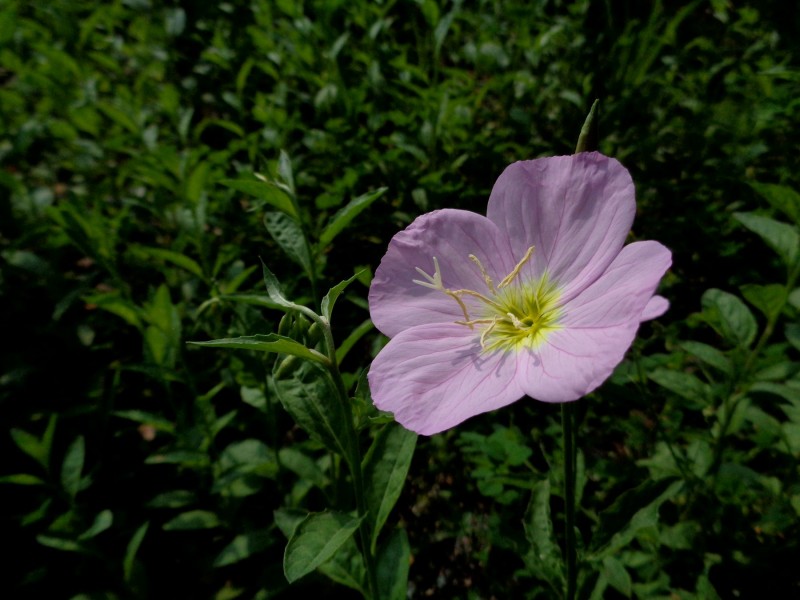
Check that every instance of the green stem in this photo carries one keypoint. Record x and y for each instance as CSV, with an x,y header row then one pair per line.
x,y
353,460
568,431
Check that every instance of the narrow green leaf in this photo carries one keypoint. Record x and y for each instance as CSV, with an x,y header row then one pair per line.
x,y
769,299
172,499
685,385
344,216
385,469
346,567
781,197
72,467
285,171
350,341
139,416
288,234
544,555
782,238
102,521
617,576
254,300
271,342
315,540
31,445
59,543
709,355
330,298
303,466
394,560
132,549
267,192
244,546
729,316
191,520
309,397
21,479
617,526
274,289
176,258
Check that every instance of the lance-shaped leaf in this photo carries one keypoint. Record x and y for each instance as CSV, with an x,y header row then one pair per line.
x,y
315,540
729,316
270,342
782,238
385,470
266,191
344,216
309,397
330,298
393,565
288,234
544,556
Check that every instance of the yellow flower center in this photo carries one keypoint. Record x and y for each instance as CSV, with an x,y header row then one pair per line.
x,y
514,314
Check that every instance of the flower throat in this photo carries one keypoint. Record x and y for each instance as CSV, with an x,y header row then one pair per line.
x,y
513,315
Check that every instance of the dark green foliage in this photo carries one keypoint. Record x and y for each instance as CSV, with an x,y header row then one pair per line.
x,y
151,152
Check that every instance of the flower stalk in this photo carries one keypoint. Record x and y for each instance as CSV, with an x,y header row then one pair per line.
x,y
568,425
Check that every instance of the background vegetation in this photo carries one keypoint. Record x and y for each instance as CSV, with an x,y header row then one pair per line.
x,y
135,466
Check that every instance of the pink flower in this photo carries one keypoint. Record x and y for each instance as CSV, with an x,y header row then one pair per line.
x,y
538,298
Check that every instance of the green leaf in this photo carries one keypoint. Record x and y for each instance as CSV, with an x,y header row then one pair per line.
x,y
769,299
356,334
244,546
781,197
617,576
191,520
310,398
709,355
288,234
60,543
330,298
303,466
21,479
346,567
102,521
32,446
631,512
285,171
172,499
274,289
176,258
543,558
271,342
344,216
729,317
393,563
267,192
385,469
139,416
315,540
684,385
132,549
782,238
72,467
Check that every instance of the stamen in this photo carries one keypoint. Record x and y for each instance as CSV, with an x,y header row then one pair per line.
x,y
434,282
517,323
486,278
463,306
487,331
479,296
511,276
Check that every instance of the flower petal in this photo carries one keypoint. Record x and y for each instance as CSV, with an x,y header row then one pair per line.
x,y
598,326
573,362
623,292
434,377
575,210
397,303
656,306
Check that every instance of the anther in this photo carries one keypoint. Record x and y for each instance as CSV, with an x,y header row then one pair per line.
x,y
511,276
486,278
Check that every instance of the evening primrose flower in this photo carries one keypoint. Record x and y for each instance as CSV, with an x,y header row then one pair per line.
x,y
539,298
